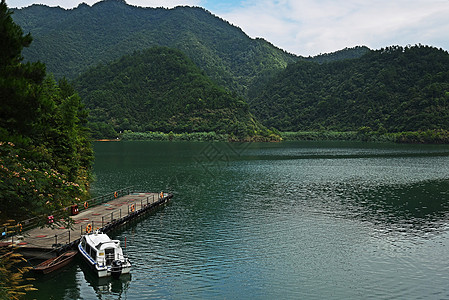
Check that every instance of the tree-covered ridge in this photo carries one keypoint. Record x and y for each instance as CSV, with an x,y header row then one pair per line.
x,y
71,41
161,89
346,53
393,89
45,153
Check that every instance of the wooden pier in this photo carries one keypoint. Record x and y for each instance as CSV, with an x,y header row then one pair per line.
x,y
100,213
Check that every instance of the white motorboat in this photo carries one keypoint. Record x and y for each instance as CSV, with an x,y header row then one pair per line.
x,y
104,255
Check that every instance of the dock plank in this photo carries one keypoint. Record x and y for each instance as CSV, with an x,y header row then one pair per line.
x,y
104,216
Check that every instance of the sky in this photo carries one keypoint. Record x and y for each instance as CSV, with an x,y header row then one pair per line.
x,y
312,27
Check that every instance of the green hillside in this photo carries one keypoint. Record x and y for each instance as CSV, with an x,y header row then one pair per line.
x,y
346,53
71,41
393,89
389,90
161,89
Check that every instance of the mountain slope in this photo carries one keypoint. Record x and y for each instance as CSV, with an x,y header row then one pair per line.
x,y
71,41
161,89
393,89
346,53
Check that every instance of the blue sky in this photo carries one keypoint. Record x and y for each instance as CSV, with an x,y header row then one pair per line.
x,y
311,27
220,6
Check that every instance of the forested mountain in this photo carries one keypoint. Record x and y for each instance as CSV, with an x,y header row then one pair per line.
x,y
262,80
392,89
161,89
346,53
71,41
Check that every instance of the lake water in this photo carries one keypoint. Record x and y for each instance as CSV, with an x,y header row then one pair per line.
x,y
292,220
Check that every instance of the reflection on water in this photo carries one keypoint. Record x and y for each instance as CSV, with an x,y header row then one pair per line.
x,y
50,286
106,287
407,193
316,220
78,281
417,209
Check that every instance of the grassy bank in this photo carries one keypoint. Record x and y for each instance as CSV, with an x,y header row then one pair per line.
x,y
194,137
365,134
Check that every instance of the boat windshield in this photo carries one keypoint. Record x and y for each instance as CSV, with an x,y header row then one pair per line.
x,y
108,242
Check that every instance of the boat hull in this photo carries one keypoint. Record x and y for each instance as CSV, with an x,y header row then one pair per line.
x,y
101,271
55,263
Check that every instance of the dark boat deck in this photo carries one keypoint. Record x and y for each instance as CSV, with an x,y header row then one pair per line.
x,y
48,242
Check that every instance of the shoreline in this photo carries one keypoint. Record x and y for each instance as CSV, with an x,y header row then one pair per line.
x,y
436,136
107,140
195,137
408,137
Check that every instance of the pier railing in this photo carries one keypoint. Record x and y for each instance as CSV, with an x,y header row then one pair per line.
x,y
107,197
46,241
103,222
13,228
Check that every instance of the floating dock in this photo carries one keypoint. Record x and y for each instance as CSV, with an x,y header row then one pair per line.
x,y
103,213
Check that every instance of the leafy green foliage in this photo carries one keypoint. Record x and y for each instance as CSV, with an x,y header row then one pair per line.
x,y
45,153
171,136
421,137
71,41
27,188
389,90
320,136
161,89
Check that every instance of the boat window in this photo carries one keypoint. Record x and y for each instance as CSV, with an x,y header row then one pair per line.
x,y
93,253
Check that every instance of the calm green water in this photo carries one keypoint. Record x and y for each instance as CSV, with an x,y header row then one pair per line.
x,y
299,220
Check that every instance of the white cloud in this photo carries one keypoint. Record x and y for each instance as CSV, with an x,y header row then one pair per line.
x,y
164,3
309,27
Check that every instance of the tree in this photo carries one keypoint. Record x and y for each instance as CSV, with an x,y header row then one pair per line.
x,y
19,83
45,152
44,142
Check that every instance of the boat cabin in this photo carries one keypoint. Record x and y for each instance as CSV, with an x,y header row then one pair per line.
x,y
103,254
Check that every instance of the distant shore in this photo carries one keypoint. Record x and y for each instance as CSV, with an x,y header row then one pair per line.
x,y
437,136
195,137
365,135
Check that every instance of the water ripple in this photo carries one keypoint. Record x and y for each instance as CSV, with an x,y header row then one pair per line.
x,y
290,221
